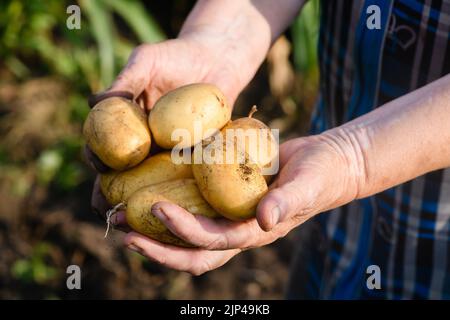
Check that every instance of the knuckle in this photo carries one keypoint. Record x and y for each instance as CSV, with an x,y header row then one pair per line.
x,y
196,272
160,259
186,235
200,267
142,49
220,242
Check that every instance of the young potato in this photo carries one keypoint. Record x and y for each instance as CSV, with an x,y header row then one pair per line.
x,y
116,130
195,105
183,192
232,189
118,186
262,155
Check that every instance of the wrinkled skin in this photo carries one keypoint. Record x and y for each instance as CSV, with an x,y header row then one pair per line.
x,y
313,178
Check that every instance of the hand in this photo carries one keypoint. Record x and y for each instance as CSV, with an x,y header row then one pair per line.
x,y
154,69
316,175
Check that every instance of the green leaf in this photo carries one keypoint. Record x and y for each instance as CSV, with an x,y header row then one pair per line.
x,y
102,28
142,23
48,164
305,31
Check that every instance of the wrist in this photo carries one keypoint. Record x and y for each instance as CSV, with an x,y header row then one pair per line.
x,y
235,39
346,145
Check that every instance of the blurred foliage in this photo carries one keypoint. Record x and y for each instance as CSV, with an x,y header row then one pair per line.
x,y
35,269
46,73
35,33
36,42
305,32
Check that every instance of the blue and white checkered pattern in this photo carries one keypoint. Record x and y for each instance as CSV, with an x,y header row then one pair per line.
x,y
404,230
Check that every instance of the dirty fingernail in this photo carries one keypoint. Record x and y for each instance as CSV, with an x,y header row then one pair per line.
x,y
96,98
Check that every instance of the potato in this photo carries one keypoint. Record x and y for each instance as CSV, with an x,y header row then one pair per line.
x,y
183,192
263,155
232,189
201,105
117,186
116,130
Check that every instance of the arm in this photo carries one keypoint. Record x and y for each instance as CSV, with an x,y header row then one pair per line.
x,y
221,42
395,143
253,25
399,141
241,29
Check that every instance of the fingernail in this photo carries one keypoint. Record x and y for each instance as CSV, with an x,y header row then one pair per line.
x,y
113,220
96,98
132,247
159,213
275,215
94,161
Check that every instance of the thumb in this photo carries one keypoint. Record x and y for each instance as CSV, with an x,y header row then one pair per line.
x,y
279,204
132,80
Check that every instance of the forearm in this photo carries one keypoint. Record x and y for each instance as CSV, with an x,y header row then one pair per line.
x,y
243,28
398,141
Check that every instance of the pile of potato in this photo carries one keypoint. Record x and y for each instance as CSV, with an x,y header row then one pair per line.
x,y
119,132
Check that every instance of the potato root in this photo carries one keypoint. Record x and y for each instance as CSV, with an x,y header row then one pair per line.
x,y
183,192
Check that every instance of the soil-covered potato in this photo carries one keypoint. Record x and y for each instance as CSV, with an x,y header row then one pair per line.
x,y
183,192
116,130
232,188
195,105
118,186
259,142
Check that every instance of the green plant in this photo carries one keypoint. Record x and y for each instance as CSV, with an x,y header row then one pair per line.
x,y
88,58
36,42
35,269
305,31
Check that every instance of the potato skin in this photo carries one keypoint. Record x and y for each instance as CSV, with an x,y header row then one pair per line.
x,y
118,186
116,130
262,159
234,189
183,192
182,107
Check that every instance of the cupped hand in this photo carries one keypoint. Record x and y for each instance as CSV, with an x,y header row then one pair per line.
x,y
316,175
154,69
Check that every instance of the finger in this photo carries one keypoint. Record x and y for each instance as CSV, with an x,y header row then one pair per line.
x,y
288,148
119,222
94,161
279,204
203,232
99,204
132,80
137,73
96,98
193,260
